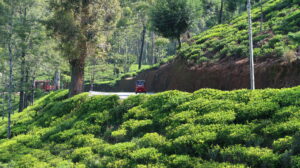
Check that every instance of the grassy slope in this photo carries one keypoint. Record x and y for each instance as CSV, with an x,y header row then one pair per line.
x,y
208,128
280,36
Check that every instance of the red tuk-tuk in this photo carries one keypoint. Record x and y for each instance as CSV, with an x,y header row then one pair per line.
x,y
140,86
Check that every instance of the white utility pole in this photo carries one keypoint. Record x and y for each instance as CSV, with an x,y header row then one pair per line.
x,y
252,77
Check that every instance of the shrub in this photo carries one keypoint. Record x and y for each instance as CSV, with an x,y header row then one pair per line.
x,y
98,104
98,118
252,156
31,141
208,94
295,161
138,113
28,161
202,59
278,130
119,134
285,113
182,161
62,150
183,117
221,117
157,165
64,135
85,140
119,149
145,155
288,97
256,109
137,126
119,163
195,143
81,154
212,164
234,134
152,140
282,144
203,106
296,144
165,101
274,40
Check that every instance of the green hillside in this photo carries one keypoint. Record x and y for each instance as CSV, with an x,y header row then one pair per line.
x,y
279,38
208,128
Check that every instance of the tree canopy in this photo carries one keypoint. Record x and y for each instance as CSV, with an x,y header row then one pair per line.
x,y
171,18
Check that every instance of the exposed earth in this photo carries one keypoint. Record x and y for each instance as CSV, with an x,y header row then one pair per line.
x,y
223,75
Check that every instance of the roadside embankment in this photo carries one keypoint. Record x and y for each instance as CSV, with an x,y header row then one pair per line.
x,y
224,75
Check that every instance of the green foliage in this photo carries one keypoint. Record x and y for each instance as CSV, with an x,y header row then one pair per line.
x,y
170,18
280,34
208,128
282,144
145,155
254,157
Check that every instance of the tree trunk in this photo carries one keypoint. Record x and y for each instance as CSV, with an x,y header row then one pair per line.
x,y
261,16
77,77
142,47
146,53
57,79
221,12
3,104
32,91
153,47
78,63
252,77
3,80
26,95
93,74
179,42
10,87
22,82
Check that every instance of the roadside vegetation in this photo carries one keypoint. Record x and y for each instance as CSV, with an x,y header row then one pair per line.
x,y
275,29
207,128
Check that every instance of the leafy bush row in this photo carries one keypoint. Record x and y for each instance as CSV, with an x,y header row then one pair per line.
x,y
207,128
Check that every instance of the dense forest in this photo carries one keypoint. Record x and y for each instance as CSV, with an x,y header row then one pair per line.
x,y
52,51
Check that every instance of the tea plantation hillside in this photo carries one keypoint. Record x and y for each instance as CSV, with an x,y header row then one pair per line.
x,y
208,128
279,37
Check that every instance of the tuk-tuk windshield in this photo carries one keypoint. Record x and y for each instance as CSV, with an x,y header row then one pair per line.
x,y
140,83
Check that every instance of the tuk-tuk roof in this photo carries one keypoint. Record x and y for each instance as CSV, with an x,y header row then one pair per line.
x,y
140,81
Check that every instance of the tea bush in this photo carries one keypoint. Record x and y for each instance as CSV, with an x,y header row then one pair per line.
x,y
253,156
208,128
282,144
281,18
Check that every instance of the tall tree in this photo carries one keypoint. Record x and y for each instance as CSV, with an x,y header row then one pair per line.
x,y
221,12
7,23
171,18
77,25
142,8
24,33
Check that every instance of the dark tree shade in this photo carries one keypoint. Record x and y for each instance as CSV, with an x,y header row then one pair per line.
x,y
171,18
